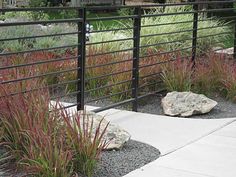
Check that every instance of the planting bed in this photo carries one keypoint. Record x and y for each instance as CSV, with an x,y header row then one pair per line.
x,y
132,156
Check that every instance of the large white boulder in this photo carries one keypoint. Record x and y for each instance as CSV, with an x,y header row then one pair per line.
x,y
186,104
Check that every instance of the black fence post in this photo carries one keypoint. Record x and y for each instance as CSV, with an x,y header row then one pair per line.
x,y
81,58
234,55
136,50
195,28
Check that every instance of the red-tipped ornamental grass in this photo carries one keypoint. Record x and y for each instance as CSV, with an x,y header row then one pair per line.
x,y
229,81
86,139
210,72
34,136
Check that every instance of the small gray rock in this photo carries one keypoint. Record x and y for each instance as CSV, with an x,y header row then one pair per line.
x,y
186,104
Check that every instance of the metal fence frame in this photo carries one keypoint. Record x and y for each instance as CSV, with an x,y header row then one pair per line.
x,y
82,20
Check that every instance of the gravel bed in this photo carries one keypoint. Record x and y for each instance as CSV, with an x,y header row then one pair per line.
x,y
224,109
152,105
132,156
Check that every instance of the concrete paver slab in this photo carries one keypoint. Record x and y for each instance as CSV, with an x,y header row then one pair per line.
x,y
229,131
208,156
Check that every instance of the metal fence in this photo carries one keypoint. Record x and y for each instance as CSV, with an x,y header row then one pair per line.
x,y
117,64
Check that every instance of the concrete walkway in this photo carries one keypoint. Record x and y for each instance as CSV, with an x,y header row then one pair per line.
x,y
189,147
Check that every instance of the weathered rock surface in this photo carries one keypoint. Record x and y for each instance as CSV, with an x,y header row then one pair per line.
x,y
186,104
229,51
115,135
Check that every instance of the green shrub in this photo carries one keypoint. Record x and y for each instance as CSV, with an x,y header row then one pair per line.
x,y
22,16
184,38
37,3
37,43
108,36
16,32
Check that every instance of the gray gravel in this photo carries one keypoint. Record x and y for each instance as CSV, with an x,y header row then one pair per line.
x,y
132,156
224,109
152,105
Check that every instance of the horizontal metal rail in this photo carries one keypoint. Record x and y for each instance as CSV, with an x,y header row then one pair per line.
x,y
106,42
215,10
107,86
107,75
76,20
219,18
64,95
38,50
70,106
163,53
108,96
39,62
38,36
106,53
159,5
216,34
164,43
115,7
112,18
149,75
150,84
36,9
108,64
113,105
44,87
187,12
167,14
164,24
39,76
111,30
154,64
167,33
211,27
163,62
151,93
131,55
